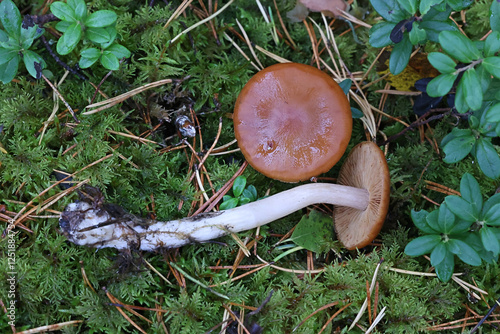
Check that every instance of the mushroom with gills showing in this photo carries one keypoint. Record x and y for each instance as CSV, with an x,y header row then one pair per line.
x,y
292,122
364,196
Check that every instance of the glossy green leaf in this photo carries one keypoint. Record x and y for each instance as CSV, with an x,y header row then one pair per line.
x,y
472,89
420,220
100,19
471,192
438,254
120,51
458,5
229,203
239,185
97,35
458,148
62,26
390,10
345,85
250,192
81,11
458,46
487,158
492,44
492,65
29,59
446,218
9,70
441,85
445,268
442,62
400,55
484,79
89,57
455,132
489,240
463,209
491,202
417,35
380,34
3,36
460,98
314,232
356,113
464,252
422,245
6,55
409,5
425,5
433,28
69,40
28,36
63,11
492,216
10,18
495,15
493,113
109,61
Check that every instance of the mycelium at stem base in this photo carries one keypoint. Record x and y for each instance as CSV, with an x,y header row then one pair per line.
x,y
109,226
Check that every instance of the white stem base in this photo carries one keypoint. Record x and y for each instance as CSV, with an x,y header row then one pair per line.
x,y
84,225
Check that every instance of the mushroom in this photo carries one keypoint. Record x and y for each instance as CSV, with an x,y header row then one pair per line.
x,y
292,122
365,193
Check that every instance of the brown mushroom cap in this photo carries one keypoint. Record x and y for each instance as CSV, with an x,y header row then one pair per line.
x,y
365,167
292,122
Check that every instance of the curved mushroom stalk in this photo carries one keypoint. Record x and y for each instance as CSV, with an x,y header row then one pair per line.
x,y
109,226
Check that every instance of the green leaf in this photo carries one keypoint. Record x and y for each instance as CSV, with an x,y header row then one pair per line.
x,y
250,192
345,85
493,113
417,35
458,46
455,132
409,5
10,18
112,36
97,35
62,26
438,254
470,191
458,5
6,55
460,102
29,59
460,227
433,28
492,216
491,202
400,55
463,209
356,113
472,89
28,35
425,5
465,252
420,220
445,268
441,85
380,34
101,18
492,44
120,51
81,11
89,57
9,70
458,148
314,232
490,240
69,40
3,36
389,10
422,245
492,65
487,158
229,204
446,219
441,62
495,15
484,79
63,11
109,61
239,185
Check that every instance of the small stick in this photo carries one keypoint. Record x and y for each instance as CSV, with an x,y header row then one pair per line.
x,y
61,97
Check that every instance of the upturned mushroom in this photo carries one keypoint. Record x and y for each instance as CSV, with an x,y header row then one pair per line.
x,y
364,196
292,122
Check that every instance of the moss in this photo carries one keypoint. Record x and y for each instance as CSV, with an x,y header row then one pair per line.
x,y
148,178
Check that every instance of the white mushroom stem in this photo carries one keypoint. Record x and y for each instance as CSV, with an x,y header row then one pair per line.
x,y
109,226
